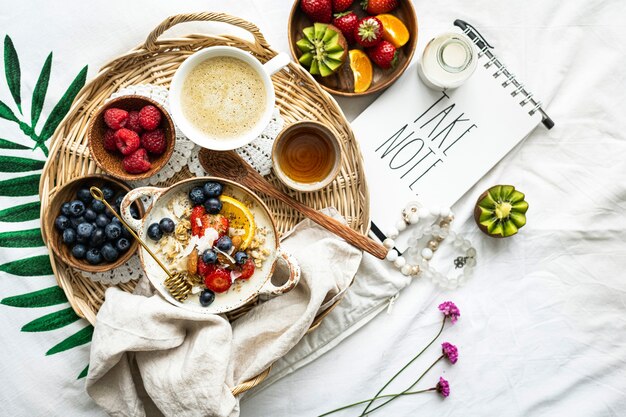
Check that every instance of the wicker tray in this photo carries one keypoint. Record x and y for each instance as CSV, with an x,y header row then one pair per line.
x,y
298,96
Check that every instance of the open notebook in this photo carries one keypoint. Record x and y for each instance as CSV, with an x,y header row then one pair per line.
x,y
431,146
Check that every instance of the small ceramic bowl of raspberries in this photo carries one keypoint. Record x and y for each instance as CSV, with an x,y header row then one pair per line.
x,y
131,137
82,231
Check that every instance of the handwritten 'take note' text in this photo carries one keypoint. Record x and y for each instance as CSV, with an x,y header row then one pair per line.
x,y
422,145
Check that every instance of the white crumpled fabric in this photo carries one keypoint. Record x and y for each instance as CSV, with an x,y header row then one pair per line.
x,y
188,362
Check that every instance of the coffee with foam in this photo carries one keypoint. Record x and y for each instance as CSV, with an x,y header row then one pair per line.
x,y
224,97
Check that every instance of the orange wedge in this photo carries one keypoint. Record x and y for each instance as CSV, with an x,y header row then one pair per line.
x,y
394,30
240,217
362,69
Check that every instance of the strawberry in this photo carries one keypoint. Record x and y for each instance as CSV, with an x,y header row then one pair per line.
x,y
205,269
218,281
384,55
137,162
133,122
341,5
346,22
247,269
219,223
317,10
375,7
149,117
197,226
108,140
115,118
126,141
154,141
368,31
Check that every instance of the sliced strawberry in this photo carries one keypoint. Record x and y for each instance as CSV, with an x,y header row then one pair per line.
x,y
218,281
204,269
247,269
197,228
219,223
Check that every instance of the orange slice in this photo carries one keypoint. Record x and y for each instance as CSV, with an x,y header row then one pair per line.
x,y
362,69
240,217
394,30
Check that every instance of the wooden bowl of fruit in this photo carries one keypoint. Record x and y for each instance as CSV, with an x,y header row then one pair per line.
x,y
131,137
353,48
82,232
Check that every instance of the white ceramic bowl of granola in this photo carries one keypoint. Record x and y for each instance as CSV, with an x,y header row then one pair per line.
x,y
173,202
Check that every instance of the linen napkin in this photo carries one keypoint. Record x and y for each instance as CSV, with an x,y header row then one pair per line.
x,y
188,362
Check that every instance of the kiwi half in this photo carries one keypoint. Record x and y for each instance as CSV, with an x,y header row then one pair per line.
x,y
324,49
501,211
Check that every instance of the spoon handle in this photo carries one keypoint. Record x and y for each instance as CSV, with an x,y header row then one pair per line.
x,y
351,236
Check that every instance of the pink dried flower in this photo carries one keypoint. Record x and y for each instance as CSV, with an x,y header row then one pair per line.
x,y
450,352
443,387
449,309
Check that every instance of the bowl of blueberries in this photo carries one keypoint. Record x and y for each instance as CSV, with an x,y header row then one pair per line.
x,y
83,232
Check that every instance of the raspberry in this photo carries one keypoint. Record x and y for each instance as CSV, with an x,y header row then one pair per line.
x,y
154,141
149,117
218,280
137,162
133,122
109,140
126,141
247,269
115,118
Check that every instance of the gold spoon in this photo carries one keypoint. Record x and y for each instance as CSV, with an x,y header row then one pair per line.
x,y
179,283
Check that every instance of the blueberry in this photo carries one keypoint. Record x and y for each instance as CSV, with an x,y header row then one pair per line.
x,y
108,193
167,225
65,209
62,222
93,256
213,189
196,195
97,237
209,257
134,213
84,195
69,236
122,244
118,200
102,220
84,230
224,243
213,206
109,253
98,206
90,215
77,208
241,258
79,251
207,297
113,231
78,220
154,232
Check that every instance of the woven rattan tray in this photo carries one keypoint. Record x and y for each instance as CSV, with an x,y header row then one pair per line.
x,y
298,96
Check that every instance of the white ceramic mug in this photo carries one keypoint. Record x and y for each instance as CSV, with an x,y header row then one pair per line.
x,y
265,71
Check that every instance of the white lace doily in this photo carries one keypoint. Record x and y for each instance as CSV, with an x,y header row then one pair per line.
x,y
258,154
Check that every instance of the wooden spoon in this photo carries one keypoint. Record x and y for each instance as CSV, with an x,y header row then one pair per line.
x,y
230,165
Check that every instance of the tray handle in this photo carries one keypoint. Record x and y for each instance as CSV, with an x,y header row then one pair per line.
x,y
150,43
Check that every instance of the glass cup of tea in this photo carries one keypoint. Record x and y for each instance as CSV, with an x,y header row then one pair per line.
x,y
306,156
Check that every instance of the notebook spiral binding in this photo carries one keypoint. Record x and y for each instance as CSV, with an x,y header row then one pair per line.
x,y
485,49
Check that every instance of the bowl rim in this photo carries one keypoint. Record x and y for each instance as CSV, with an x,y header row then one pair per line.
x,y
171,141
399,70
52,233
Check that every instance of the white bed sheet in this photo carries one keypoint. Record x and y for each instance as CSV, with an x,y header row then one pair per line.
x,y
542,331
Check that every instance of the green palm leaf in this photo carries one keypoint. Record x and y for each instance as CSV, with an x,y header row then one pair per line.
x,y
12,71
63,106
21,239
7,113
21,186
5,144
51,321
43,298
39,93
29,267
83,373
17,164
79,338
21,213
